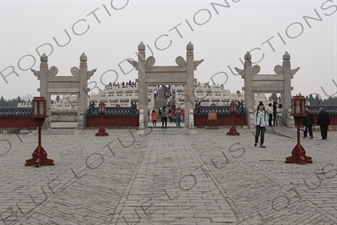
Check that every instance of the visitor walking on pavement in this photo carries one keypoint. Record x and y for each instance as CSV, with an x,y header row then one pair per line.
x,y
323,120
260,122
164,117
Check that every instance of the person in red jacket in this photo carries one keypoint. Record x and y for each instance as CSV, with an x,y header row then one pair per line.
x,y
170,114
182,116
154,117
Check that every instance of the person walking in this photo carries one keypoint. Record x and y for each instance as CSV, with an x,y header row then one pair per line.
x,y
178,117
164,117
260,122
323,120
154,117
308,121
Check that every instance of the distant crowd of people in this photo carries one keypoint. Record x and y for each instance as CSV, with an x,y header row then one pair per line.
x,y
174,115
121,85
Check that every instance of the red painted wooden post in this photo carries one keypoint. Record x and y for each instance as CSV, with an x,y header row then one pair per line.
x,y
101,110
39,156
298,154
232,130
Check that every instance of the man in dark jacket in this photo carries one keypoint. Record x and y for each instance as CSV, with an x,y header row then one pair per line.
x,y
323,120
308,121
274,113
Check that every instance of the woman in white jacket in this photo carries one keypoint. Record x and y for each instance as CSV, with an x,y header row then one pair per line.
x,y
260,122
279,111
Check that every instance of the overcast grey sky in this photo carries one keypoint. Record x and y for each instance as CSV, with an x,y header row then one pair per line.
x,y
221,31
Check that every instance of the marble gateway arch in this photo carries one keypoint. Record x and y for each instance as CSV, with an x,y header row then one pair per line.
x,y
182,74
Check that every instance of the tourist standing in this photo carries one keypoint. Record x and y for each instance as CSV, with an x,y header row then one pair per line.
x,y
159,111
183,116
270,114
260,122
279,111
164,117
178,117
323,120
170,114
274,113
308,121
154,117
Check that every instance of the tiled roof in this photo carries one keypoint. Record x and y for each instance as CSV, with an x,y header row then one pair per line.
x,y
221,110
27,112
130,111
332,110
15,112
113,111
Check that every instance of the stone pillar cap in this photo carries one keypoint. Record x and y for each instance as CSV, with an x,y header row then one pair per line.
x,y
44,58
189,46
286,56
141,46
248,56
83,57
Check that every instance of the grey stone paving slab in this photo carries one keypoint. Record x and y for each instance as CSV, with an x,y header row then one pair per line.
x,y
261,183
169,171
172,176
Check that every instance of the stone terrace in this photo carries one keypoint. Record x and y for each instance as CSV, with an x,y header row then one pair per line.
x,y
172,176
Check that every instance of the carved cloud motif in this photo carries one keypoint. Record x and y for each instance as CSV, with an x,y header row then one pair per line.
x,y
53,71
240,71
90,73
294,71
133,63
74,71
150,61
197,63
36,73
180,61
278,69
256,69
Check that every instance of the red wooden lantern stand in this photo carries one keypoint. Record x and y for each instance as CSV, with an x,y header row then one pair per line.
x,y
232,130
39,156
298,154
101,130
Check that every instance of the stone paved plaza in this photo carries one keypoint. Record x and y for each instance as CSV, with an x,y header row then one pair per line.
x,y
172,176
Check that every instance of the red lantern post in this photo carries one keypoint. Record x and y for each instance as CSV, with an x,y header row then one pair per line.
x,y
298,112
101,111
232,130
39,156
